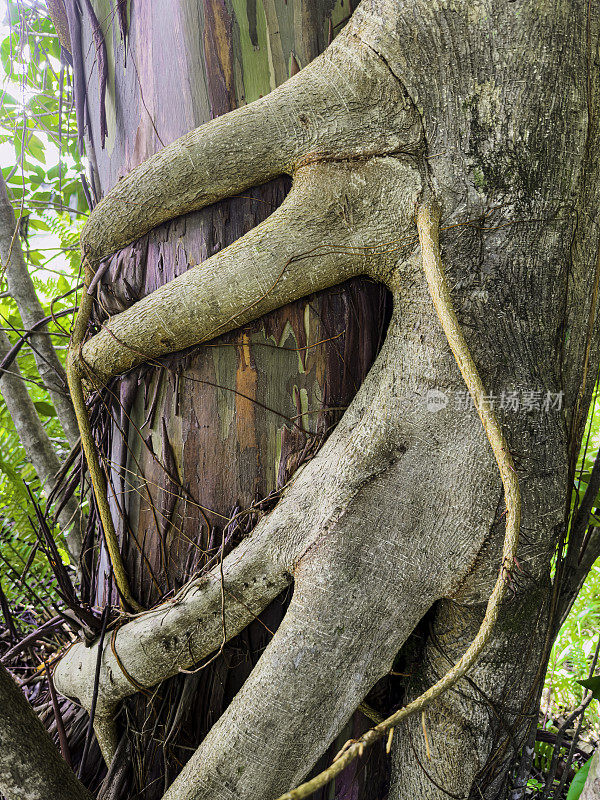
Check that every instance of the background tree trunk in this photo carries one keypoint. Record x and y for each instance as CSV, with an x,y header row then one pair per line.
x,y
200,446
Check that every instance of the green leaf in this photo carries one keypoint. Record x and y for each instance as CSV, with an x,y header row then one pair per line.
x,y
15,479
45,409
54,172
36,258
578,782
14,178
5,54
42,197
36,147
593,684
63,285
38,224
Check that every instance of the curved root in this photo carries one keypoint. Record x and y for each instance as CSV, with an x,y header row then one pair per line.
x,y
428,217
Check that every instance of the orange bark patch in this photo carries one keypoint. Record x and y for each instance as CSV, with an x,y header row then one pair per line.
x,y
246,383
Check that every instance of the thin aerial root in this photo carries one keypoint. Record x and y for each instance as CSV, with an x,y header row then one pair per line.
x,y
89,448
388,744
424,726
428,219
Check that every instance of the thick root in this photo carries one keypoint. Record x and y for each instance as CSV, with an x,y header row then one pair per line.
x,y
334,224
345,104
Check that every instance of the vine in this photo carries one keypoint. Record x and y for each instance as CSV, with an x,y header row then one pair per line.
x,y
89,446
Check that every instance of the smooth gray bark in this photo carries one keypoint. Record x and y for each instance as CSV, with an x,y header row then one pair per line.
x,y
23,292
37,445
31,767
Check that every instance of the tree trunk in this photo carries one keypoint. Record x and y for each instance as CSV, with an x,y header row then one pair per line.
x,y
25,740
393,533
201,445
